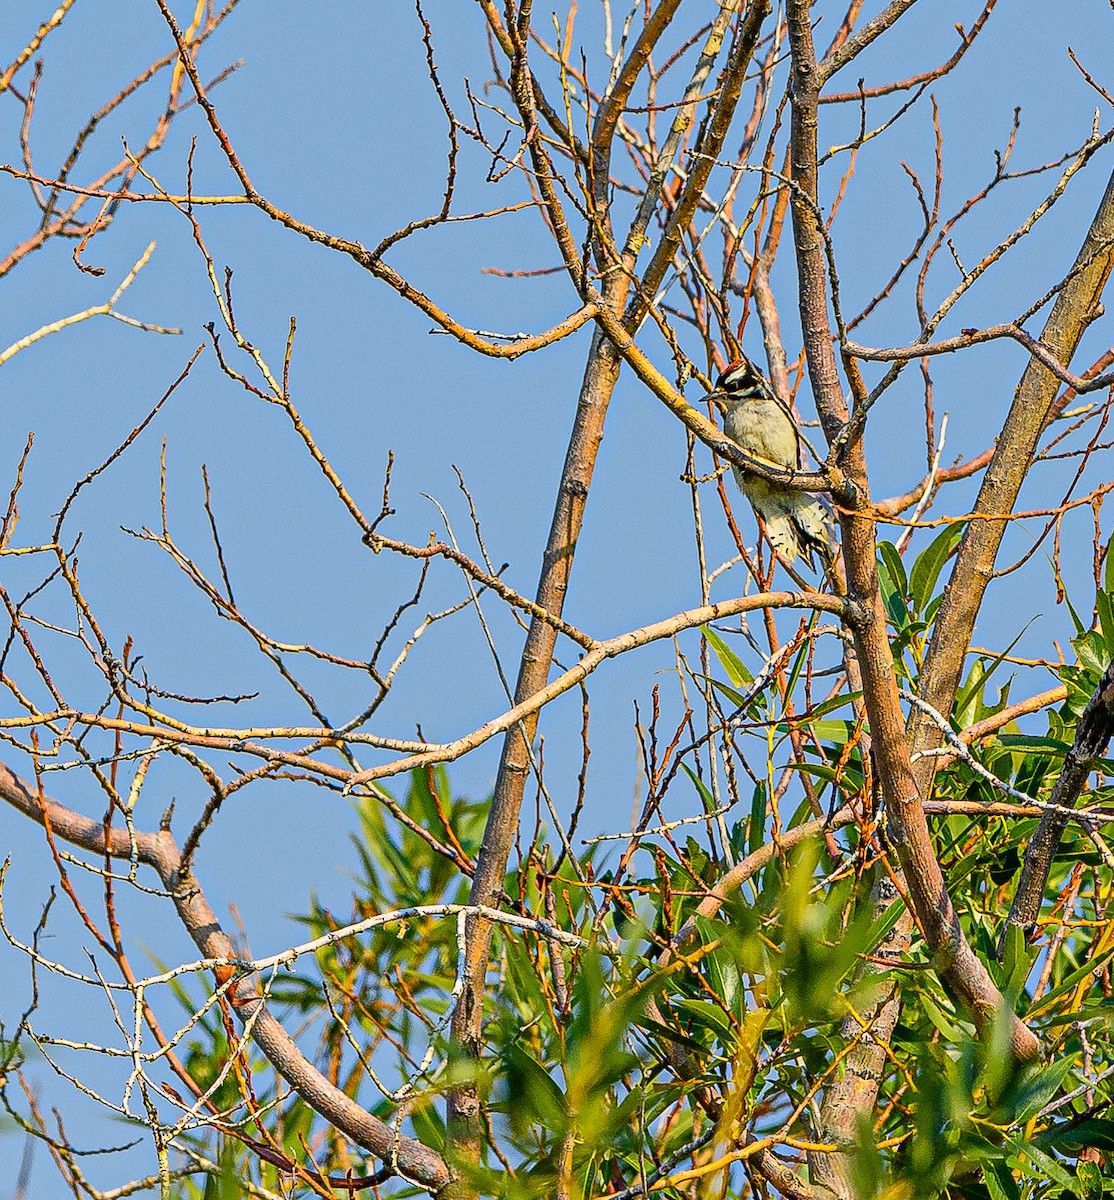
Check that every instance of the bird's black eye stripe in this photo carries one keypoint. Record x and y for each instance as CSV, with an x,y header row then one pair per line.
x,y
742,385
741,379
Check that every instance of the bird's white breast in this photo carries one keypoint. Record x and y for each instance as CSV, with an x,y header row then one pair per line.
x,y
762,429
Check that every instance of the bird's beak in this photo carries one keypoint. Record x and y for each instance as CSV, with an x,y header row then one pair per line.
x,y
720,401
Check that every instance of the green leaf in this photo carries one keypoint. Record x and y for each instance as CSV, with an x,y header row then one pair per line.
x,y
704,1015
669,1033
1046,1165
735,698
728,659
532,1093
1080,628
723,967
756,833
1067,984
1106,619
1017,961
428,1126
867,1172
831,704
1000,1182
227,1184
1046,746
798,664
882,924
1076,1135
1088,1181
1039,1089
926,570
977,680
706,797
1091,651
832,731
943,1021
893,589
894,566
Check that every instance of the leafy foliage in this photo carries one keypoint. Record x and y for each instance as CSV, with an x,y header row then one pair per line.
x,y
759,1004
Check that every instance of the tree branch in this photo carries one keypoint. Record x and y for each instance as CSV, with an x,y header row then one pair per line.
x,y
408,1157
1092,735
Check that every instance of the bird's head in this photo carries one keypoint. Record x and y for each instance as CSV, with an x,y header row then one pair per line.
x,y
739,381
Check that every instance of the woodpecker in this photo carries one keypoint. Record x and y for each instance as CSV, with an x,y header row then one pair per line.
x,y
761,425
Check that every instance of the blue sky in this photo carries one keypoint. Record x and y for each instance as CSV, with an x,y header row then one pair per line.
x,y
335,120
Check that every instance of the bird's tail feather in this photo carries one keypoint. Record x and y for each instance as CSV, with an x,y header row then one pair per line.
x,y
798,524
